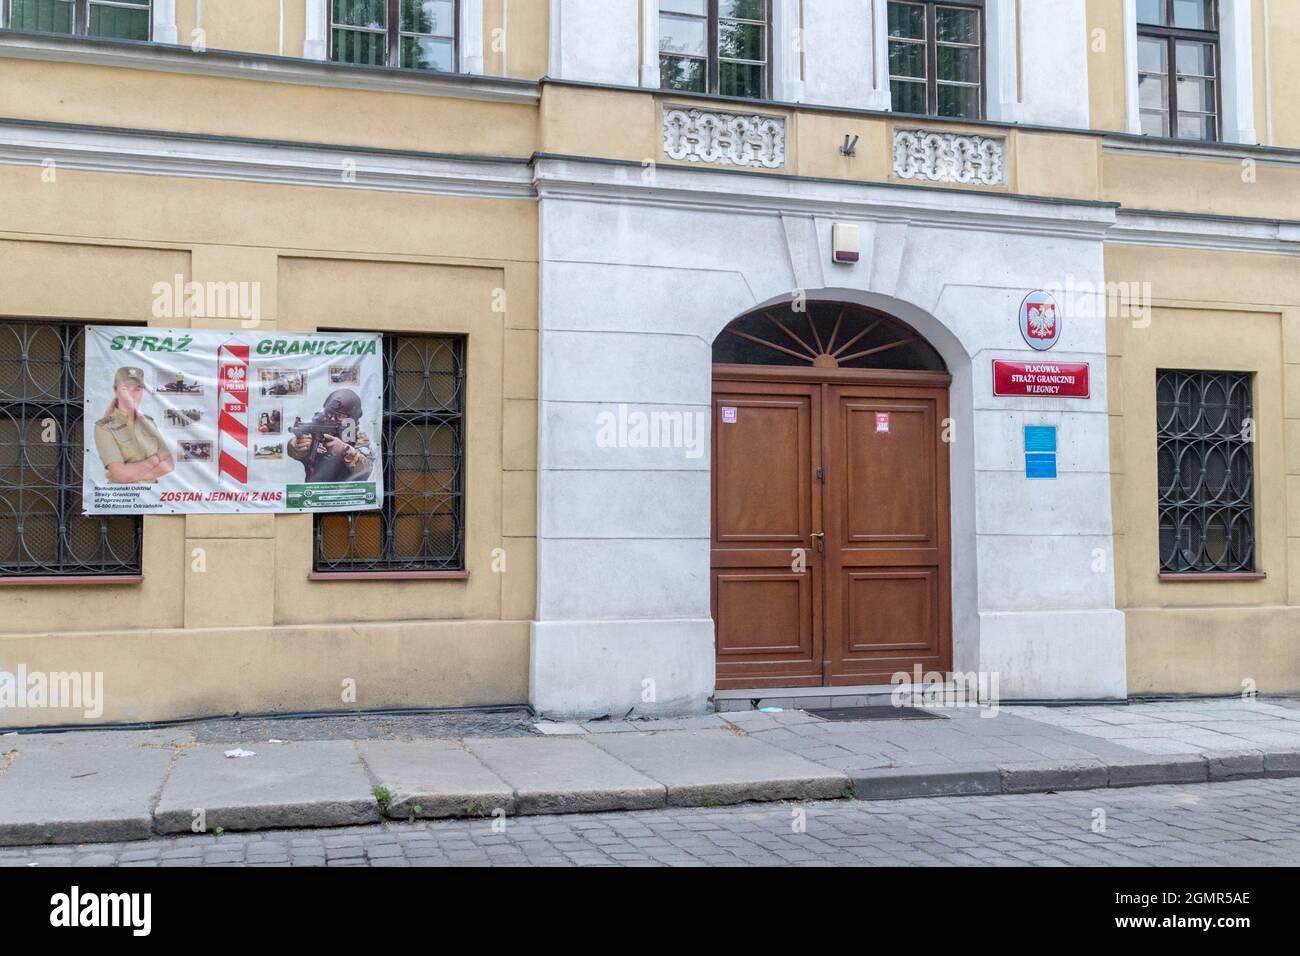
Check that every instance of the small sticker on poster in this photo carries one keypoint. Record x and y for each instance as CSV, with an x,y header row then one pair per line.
x,y
728,415
882,422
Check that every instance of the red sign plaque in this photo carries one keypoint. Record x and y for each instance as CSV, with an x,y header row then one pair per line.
x,y
1040,379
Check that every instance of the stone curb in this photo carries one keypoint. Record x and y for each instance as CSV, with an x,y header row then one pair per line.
x,y
889,783
1046,776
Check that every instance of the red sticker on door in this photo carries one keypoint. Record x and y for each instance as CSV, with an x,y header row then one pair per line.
x,y
882,422
728,415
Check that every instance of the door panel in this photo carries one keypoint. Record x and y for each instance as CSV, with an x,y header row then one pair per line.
x,y
865,465
887,548
768,614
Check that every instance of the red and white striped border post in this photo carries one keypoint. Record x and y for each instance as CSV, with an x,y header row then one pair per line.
x,y
232,404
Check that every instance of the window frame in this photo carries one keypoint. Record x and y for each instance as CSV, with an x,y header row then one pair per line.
x,y
71,399
81,19
713,58
1249,511
394,34
1169,35
932,44
388,566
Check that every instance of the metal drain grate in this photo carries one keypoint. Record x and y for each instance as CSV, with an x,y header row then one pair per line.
x,y
878,712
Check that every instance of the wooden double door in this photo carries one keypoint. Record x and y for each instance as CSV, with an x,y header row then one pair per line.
x,y
831,542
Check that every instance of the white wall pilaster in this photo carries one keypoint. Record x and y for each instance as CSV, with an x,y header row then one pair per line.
x,y
787,47
1133,118
1237,58
650,44
470,40
1002,69
164,21
880,96
314,43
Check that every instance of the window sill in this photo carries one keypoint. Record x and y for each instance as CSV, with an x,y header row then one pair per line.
x,y
71,580
388,576
1216,576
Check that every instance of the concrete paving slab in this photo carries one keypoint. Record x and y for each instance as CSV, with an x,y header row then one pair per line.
x,y
702,767
553,728
440,777
312,784
62,791
566,775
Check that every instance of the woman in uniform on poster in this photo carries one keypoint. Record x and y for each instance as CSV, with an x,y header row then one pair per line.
x,y
129,443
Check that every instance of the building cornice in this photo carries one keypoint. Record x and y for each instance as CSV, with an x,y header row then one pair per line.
x,y
152,153
167,58
1152,147
1181,230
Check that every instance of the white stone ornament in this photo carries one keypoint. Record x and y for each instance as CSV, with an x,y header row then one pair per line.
x,y
724,139
950,157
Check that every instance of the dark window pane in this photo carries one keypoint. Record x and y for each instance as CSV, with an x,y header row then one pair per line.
x,y
1194,14
956,25
680,73
741,79
46,16
356,46
743,9
1196,59
1151,11
1197,126
429,16
906,59
696,7
907,97
960,63
1153,92
907,20
428,53
683,35
959,101
1151,55
1197,96
361,13
121,23
741,41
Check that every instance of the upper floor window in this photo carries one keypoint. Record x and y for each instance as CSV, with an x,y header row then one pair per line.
x,y
118,19
417,34
715,46
936,58
1178,68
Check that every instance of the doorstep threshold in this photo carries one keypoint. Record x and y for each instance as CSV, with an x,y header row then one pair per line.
x,y
846,690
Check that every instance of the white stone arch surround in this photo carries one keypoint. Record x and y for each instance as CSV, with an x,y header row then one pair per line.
x,y
961,462
638,277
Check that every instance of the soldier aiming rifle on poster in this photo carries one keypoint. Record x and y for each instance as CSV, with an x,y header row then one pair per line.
x,y
331,447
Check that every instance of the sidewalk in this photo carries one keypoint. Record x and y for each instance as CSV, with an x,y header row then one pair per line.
x,y
102,786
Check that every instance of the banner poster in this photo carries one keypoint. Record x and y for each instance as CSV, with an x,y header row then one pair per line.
x,y
187,421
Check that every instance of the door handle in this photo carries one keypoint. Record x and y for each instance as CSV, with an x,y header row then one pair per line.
x,y
819,538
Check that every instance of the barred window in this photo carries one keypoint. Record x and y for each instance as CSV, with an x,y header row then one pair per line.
x,y
1205,456
42,529
421,524
416,34
117,19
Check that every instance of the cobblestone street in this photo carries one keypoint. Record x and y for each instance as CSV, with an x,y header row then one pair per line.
x,y
1247,823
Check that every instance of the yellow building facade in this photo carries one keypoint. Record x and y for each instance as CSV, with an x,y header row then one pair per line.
x,y
577,200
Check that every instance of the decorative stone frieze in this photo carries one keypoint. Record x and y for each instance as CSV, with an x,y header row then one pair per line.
x,y
724,139
950,157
